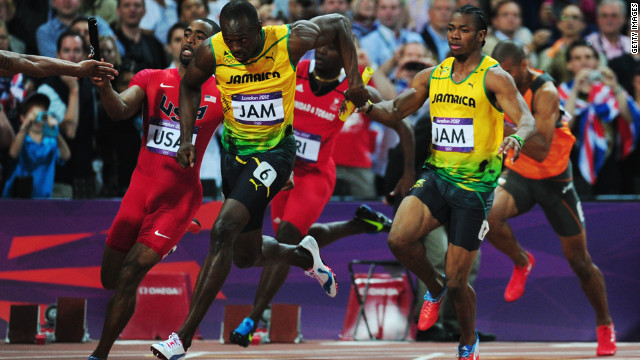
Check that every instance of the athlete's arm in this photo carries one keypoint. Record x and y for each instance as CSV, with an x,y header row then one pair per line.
x,y
546,112
119,106
323,30
501,84
403,105
40,66
609,78
404,129
200,69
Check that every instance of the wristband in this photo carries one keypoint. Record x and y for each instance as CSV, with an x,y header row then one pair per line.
x,y
517,137
370,107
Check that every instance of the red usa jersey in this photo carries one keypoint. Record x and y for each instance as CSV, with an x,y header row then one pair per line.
x,y
161,125
316,121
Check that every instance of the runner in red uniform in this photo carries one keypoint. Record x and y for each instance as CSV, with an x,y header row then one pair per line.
x,y
320,87
163,197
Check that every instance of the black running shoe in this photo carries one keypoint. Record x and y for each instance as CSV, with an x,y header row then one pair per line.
x,y
243,334
375,221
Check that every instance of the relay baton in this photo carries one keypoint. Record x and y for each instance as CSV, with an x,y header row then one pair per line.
x,y
94,40
366,76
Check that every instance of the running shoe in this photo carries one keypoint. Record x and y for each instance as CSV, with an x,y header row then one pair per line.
x,y
173,249
170,349
430,310
93,358
515,288
375,221
606,340
194,226
469,352
320,271
243,334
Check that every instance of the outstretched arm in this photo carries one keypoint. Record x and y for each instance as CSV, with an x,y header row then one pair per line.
x,y
199,71
509,99
40,66
330,29
119,106
403,105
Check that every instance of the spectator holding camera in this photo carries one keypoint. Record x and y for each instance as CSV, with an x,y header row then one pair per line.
x,y
73,101
603,118
413,57
37,147
571,24
389,34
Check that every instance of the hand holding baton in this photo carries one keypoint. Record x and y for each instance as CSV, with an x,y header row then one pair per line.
x,y
366,76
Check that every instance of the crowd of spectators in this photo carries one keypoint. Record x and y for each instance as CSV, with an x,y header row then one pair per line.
x,y
584,44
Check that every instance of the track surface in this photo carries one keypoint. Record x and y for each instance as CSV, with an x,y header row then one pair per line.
x,y
321,350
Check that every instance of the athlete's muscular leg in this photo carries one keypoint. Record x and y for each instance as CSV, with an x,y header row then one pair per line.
x,y
500,233
255,249
138,261
112,261
457,269
591,279
412,221
274,276
327,233
231,220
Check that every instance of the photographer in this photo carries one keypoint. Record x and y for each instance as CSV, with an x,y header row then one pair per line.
x,y
411,58
37,147
602,121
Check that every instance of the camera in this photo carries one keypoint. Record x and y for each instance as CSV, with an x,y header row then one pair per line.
x,y
48,131
414,66
42,116
595,76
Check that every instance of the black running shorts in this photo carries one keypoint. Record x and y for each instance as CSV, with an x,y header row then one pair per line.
x,y
255,179
464,211
556,195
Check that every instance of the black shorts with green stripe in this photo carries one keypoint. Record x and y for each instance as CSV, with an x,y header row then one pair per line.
x,y
463,212
255,179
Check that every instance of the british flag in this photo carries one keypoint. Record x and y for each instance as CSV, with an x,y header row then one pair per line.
x,y
601,109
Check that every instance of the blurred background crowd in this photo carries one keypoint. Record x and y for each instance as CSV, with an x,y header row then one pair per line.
x,y
599,85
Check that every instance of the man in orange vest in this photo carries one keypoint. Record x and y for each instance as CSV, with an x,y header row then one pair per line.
x,y
543,176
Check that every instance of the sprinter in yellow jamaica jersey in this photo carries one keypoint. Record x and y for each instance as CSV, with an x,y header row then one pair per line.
x,y
255,70
469,94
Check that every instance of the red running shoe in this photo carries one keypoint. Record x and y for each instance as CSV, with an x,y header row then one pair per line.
x,y
515,288
430,310
606,340
194,227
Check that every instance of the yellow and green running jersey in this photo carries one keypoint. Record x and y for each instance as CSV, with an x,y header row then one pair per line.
x,y
466,128
257,97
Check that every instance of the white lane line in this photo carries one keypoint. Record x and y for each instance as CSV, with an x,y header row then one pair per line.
x,y
430,356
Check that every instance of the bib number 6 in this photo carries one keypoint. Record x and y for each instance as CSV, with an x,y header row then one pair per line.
x,y
265,173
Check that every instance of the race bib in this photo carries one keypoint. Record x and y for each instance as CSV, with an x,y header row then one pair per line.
x,y
164,136
484,229
452,134
307,146
265,173
258,109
